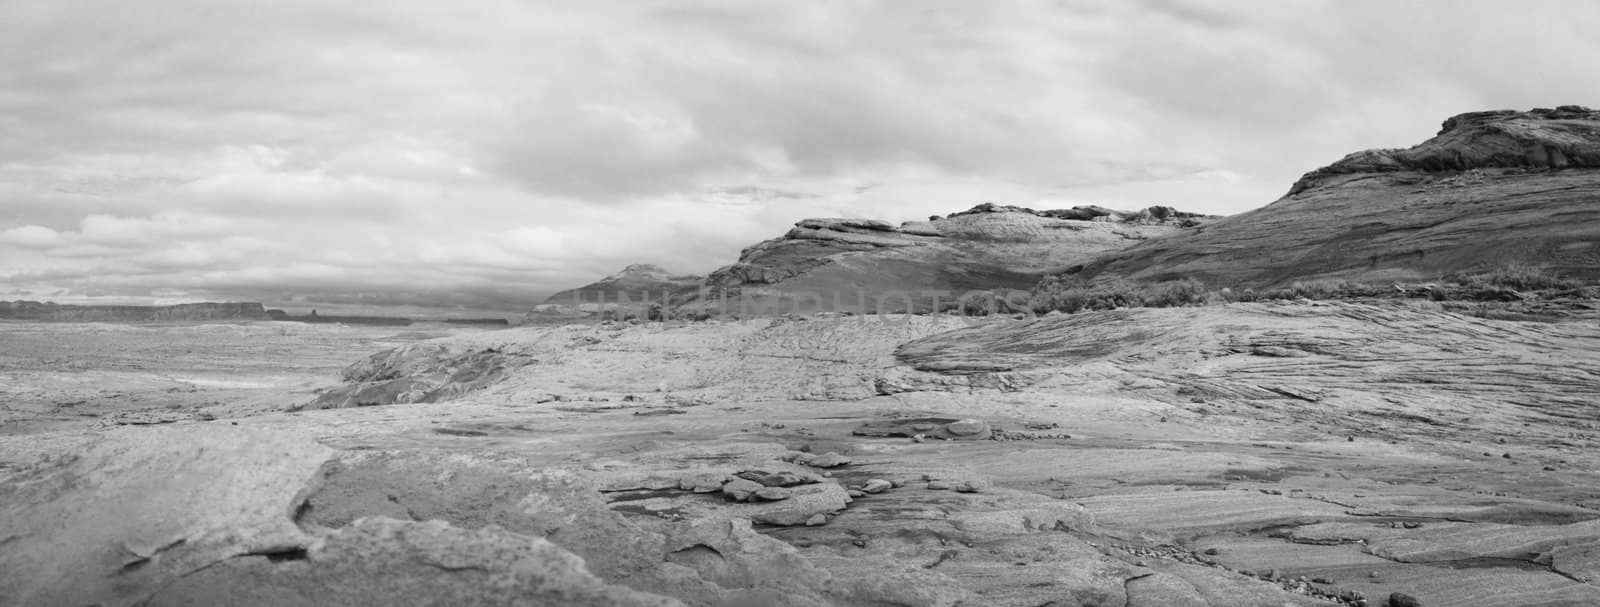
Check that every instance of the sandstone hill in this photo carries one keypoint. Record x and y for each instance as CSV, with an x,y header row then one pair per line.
x,y
990,247
633,282
1491,189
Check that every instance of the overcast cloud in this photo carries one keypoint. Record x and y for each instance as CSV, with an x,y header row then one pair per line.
x,y
489,153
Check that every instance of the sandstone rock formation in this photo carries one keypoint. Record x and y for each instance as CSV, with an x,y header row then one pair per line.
x,y
635,282
857,264
1491,189
1247,454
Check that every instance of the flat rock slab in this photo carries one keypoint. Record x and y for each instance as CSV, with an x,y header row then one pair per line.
x,y
1453,541
927,427
1487,586
1191,512
147,505
380,561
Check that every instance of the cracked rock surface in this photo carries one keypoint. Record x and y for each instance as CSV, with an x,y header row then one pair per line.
x,y
1132,457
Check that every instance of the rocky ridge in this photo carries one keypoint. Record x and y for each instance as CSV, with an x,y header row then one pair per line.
x,y
1491,189
987,248
633,282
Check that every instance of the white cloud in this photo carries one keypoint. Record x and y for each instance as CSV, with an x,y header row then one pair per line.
x,y
31,237
511,148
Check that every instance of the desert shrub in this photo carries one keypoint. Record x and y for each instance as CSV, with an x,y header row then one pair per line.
x,y
982,303
1320,289
1186,292
1068,294
1516,276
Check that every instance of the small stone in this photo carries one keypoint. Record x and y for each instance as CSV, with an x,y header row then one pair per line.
x,y
740,489
896,483
940,485
772,494
828,460
855,493
777,479
1411,525
967,427
1401,599
1213,552
1321,580
1506,455
919,438
703,483
877,485
971,486
816,520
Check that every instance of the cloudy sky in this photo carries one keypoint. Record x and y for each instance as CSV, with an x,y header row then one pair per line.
x,y
488,153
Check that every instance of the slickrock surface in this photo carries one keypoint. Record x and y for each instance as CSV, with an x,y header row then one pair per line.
x,y
1492,188
1248,454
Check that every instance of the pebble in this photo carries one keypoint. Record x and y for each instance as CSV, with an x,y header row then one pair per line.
x,y
1401,599
817,519
741,489
940,485
877,485
855,493
828,460
772,494
971,486
967,427
776,479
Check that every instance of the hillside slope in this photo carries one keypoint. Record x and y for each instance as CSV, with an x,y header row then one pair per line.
x,y
987,248
1491,189
633,281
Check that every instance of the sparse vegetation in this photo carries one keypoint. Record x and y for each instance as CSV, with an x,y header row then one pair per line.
x,y
1068,294
1516,276
1509,283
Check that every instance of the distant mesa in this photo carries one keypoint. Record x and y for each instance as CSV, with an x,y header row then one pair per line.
x,y
632,282
54,312
1492,189
200,312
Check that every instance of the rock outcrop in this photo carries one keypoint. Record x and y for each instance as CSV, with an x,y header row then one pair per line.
x,y
1490,190
831,264
49,311
635,282
418,373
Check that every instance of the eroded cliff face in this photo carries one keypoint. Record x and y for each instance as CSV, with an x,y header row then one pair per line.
x,y
987,248
1490,190
46,311
1562,138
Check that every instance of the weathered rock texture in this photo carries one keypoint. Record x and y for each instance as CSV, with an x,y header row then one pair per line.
x,y
1491,189
989,247
1248,454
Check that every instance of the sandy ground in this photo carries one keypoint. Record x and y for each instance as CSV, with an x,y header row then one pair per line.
x,y
1251,454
